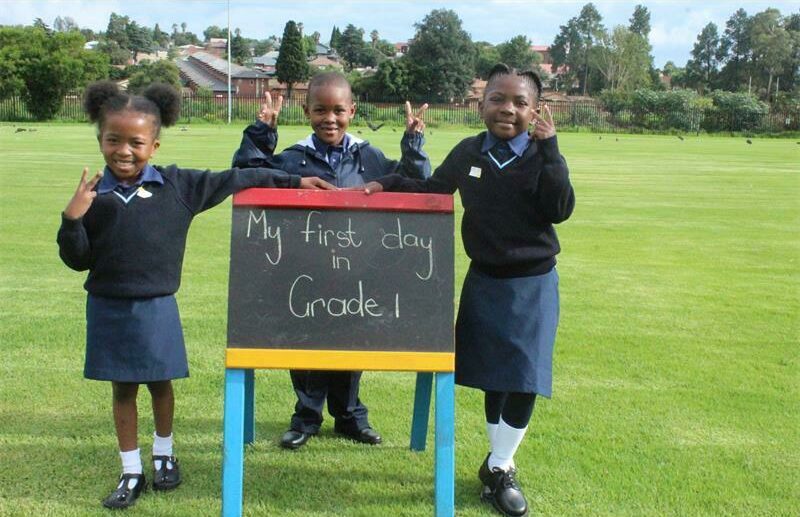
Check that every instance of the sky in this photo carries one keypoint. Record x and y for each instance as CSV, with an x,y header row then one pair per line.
x,y
675,23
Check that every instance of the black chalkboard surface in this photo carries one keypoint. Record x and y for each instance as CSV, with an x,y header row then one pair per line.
x,y
330,270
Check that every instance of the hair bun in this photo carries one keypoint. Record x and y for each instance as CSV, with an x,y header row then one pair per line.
x,y
168,101
96,95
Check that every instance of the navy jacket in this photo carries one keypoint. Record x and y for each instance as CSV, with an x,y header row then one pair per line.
x,y
360,163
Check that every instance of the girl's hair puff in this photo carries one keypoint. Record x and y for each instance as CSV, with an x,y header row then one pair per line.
x,y
531,78
161,101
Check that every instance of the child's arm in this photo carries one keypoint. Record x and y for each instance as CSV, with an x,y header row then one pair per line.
x,y
202,190
414,163
73,242
443,181
260,139
555,197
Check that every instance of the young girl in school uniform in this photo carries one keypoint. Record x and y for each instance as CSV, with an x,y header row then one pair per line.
x,y
513,189
127,226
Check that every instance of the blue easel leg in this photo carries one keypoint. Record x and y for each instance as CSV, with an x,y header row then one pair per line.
x,y
422,405
444,477
249,406
233,444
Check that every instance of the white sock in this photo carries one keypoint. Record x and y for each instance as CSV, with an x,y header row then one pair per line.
x,y
131,462
506,443
491,431
162,446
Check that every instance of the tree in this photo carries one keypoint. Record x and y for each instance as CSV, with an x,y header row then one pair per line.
x,y
640,21
213,31
64,24
291,66
374,36
591,29
441,58
160,37
351,46
42,67
146,73
117,30
566,51
140,39
486,57
240,53
736,49
517,52
116,54
702,68
389,82
772,44
336,37
623,58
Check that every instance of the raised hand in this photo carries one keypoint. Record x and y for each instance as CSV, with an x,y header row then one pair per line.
x,y
543,125
269,112
414,121
315,183
84,195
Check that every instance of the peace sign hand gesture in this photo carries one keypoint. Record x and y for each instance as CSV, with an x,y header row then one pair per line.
x,y
414,122
269,114
543,126
84,195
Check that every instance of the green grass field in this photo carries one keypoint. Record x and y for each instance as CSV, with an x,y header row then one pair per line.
x,y
677,371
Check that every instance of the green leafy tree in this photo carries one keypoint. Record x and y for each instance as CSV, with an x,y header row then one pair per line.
x,y
291,66
441,57
772,44
486,57
389,82
336,38
351,46
64,24
736,49
702,68
117,30
116,55
160,38
566,52
147,73
640,21
42,67
590,27
240,51
791,74
517,52
623,58
140,39
213,31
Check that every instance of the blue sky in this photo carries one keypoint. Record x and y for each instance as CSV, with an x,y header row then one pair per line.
x,y
675,24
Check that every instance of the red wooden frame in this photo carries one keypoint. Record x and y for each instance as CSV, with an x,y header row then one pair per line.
x,y
344,200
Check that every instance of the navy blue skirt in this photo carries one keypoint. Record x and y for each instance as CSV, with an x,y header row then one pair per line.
x,y
506,331
134,340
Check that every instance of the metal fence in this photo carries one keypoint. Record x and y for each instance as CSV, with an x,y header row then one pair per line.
x,y
583,114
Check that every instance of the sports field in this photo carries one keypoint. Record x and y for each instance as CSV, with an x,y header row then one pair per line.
x,y
677,369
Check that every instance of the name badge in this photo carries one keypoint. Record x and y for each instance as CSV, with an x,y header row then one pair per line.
x,y
475,172
142,193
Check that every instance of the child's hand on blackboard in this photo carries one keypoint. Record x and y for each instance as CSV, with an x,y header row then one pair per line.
x,y
315,183
84,195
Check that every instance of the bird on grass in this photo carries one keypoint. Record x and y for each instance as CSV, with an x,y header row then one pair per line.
x,y
599,137
680,137
395,130
374,127
359,131
20,130
749,142
184,128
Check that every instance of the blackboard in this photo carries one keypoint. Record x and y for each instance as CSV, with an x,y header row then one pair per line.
x,y
338,270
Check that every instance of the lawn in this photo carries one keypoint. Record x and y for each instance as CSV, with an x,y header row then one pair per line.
x,y
677,370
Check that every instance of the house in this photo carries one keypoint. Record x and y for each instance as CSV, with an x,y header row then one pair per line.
x,y
205,70
266,63
217,47
401,48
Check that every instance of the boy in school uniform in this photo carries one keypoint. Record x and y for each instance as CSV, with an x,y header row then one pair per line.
x,y
344,160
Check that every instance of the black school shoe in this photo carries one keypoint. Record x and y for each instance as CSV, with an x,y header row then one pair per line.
x,y
500,488
367,435
169,475
123,497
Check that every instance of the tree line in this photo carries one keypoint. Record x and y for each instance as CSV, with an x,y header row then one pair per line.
x,y
757,55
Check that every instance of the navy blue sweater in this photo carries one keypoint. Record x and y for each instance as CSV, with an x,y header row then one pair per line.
x,y
135,250
509,214
360,163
